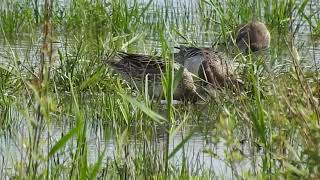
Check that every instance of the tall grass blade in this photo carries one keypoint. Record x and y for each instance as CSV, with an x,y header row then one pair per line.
x,y
153,115
63,141
98,165
177,78
180,145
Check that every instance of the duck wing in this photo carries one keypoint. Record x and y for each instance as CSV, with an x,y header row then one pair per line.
x,y
137,64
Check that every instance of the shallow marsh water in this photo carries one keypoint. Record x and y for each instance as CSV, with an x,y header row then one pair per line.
x,y
201,152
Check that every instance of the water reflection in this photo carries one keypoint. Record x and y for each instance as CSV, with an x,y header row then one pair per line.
x,y
197,151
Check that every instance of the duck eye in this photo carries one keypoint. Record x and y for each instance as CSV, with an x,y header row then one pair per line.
x,y
254,48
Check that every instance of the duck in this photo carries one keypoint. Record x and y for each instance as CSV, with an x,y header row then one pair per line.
x,y
140,69
211,66
201,67
252,36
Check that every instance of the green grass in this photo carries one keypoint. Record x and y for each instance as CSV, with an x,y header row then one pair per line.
x,y
42,85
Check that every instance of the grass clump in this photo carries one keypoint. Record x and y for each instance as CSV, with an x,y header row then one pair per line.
x,y
80,120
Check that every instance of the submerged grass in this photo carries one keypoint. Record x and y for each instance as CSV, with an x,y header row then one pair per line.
x,y
276,118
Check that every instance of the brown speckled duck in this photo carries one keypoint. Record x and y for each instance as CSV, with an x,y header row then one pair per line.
x,y
210,65
136,68
213,66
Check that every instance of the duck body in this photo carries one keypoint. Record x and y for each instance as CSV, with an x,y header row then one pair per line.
x,y
213,66
141,70
210,65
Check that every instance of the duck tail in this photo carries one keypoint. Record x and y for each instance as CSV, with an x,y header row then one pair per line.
x,y
115,57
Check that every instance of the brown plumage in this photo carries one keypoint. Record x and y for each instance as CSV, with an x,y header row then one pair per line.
x,y
253,35
136,68
213,66
209,65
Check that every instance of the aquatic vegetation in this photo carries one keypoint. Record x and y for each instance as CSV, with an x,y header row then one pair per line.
x,y
64,114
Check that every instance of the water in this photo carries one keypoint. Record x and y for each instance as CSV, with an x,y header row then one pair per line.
x,y
195,151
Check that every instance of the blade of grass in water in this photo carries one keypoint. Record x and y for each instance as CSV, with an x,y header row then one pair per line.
x,y
153,115
181,144
98,165
63,141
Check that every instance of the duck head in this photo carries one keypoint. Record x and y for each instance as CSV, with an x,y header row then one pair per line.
x,y
253,36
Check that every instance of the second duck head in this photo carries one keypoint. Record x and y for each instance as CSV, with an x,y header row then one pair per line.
x,y
253,36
